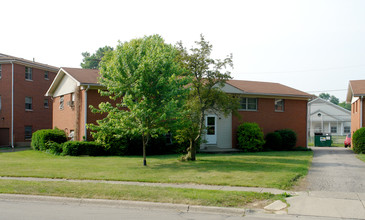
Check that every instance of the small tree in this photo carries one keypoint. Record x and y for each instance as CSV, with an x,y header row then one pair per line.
x,y
208,77
250,137
145,74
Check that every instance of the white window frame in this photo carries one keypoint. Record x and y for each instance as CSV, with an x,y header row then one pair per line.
x,y
29,103
0,71
245,101
334,128
348,127
28,73
279,105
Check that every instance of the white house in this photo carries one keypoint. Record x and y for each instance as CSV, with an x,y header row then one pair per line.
x,y
326,117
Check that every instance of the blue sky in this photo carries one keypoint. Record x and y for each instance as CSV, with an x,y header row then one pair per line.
x,y
312,46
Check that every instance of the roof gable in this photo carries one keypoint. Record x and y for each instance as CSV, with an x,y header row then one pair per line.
x,y
68,78
356,88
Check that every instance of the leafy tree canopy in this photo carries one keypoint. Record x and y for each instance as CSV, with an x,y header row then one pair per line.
x,y
333,99
144,76
91,61
325,96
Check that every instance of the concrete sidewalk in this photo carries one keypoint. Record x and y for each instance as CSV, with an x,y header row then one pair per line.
x,y
328,204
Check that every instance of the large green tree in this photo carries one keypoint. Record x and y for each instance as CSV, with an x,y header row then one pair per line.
x,y
91,61
208,77
146,76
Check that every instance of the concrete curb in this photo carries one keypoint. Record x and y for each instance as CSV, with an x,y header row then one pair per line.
x,y
124,203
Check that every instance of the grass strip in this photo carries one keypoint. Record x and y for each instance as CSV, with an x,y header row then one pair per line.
x,y
263,169
138,193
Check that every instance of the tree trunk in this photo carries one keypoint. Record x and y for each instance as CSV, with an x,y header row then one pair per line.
x,y
144,142
191,155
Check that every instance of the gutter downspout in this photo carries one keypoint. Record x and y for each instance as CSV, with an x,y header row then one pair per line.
x,y
88,87
12,104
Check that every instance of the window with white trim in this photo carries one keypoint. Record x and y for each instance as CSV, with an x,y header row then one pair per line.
x,y
0,71
248,104
28,103
347,129
46,75
28,73
279,105
333,129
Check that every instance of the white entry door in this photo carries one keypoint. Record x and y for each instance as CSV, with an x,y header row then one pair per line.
x,y
211,125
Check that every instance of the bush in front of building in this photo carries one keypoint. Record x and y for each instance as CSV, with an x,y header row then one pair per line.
x,y
273,141
40,138
250,137
358,141
77,148
289,139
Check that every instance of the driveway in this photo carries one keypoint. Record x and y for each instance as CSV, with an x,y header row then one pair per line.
x,y
335,169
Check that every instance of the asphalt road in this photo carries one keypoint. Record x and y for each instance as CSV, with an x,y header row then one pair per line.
x,y
30,208
336,169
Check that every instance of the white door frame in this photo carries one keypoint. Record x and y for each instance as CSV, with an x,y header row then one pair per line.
x,y
211,130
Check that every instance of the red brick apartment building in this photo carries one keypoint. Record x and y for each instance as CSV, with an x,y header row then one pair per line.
x,y
272,105
73,91
355,96
23,106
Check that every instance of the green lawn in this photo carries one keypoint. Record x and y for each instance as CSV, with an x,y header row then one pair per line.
x,y
266,169
138,193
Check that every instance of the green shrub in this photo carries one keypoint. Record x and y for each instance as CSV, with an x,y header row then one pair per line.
x,y
77,148
289,139
358,141
54,148
273,141
250,137
132,145
41,137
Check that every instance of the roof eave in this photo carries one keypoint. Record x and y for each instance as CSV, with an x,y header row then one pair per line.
x,y
31,64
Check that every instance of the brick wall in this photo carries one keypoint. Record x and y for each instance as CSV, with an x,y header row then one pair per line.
x,y
355,115
39,117
5,92
293,117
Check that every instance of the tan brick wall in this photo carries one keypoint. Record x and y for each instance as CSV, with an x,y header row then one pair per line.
x,y
63,119
39,117
293,117
355,115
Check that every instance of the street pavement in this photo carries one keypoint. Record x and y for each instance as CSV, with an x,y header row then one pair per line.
x,y
19,207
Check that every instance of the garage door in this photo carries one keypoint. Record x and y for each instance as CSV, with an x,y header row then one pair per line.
x,y
4,136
